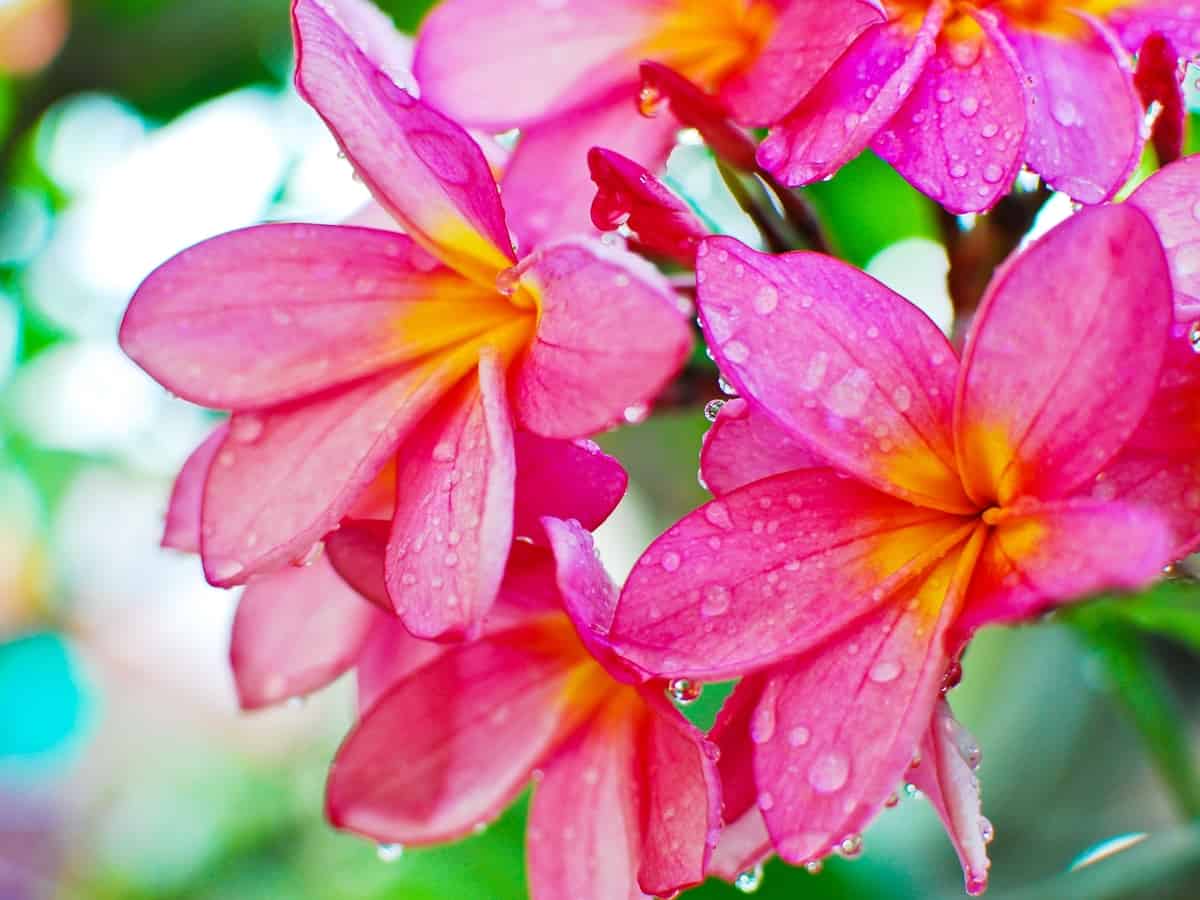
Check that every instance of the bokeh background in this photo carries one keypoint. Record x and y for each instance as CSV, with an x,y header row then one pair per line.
x,y
130,129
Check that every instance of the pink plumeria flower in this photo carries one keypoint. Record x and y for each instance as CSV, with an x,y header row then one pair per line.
x,y
878,500
339,349
568,77
958,95
626,799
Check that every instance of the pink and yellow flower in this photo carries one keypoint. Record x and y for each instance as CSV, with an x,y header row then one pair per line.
x,y
1171,199
340,350
957,95
626,797
878,499
567,75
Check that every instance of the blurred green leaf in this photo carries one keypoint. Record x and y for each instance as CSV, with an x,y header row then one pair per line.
x,y
1170,609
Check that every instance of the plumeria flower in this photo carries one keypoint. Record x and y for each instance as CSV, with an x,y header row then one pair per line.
x,y
567,75
342,349
626,799
300,627
879,499
958,95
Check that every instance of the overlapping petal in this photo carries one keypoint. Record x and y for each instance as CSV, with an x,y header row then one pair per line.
x,y
1050,553
1159,80
1171,199
181,530
295,631
744,445
458,768
946,775
453,522
563,479
858,94
835,730
770,570
1085,126
422,167
960,135
857,372
586,366
1046,400
265,315
509,68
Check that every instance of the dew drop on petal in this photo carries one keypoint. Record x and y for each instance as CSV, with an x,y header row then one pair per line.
x,y
829,772
684,691
712,409
670,561
245,429
750,881
851,846
736,351
813,867
715,600
986,830
885,671
716,513
798,736
762,726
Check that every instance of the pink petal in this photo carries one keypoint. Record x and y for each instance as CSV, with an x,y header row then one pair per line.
x,y
854,370
453,523
1046,400
862,90
358,552
746,580
959,137
587,365
836,729
582,841
744,445
1168,484
1046,554
504,67
182,528
629,195
388,656
422,167
1085,126
1171,198
1159,79
680,798
547,190
1179,22
949,756
296,630
488,713
269,314
284,478
588,594
566,480
694,108
744,840
808,39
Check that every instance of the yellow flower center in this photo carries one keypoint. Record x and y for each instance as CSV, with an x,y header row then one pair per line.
x,y
708,41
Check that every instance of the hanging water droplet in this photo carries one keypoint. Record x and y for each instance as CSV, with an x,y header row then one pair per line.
x,y
684,691
911,790
813,866
726,388
389,853
893,800
296,702
986,830
650,101
712,409
851,846
1194,337
636,414
750,881
506,281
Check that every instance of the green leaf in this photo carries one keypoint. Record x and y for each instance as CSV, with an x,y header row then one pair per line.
x,y
1170,609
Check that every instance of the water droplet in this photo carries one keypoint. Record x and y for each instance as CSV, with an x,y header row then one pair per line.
x,y
766,300
893,799
911,791
829,772
636,414
1065,113
766,801
813,867
885,671
750,881
1194,337
245,429
716,600
684,691
726,388
736,351
650,101
986,830
762,726
670,561
902,398
716,513
442,153
712,409
389,853
799,736
851,846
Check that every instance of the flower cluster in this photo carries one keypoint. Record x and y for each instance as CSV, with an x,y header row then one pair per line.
x,y
406,486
